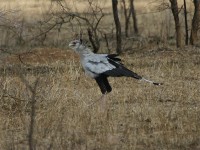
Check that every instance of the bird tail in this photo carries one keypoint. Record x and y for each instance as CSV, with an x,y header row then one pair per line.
x,y
136,76
128,73
122,71
155,83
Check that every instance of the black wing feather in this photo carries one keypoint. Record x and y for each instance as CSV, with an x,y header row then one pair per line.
x,y
120,70
114,57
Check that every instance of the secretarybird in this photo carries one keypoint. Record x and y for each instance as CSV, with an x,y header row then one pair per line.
x,y
102,66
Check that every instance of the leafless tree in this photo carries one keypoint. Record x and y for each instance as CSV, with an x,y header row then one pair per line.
x,y
134,18
91,19
175,11
186,24
195,22
13,25
117,25
128,12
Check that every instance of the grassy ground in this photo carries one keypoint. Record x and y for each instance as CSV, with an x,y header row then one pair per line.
x,y
45,96
137,115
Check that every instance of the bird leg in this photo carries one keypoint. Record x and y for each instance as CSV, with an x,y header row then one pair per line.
x,y
103,103
94,102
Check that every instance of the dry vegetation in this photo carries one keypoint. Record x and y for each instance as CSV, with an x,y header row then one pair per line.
x,y
48,87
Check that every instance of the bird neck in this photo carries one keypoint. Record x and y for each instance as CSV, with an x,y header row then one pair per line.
x,y
84,51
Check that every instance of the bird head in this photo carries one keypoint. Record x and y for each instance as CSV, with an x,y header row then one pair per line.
x,y
79,47
75,44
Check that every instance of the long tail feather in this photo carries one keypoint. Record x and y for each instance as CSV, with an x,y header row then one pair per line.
x,y
155,83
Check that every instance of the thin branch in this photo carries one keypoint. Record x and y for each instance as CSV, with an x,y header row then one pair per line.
x,y
32,114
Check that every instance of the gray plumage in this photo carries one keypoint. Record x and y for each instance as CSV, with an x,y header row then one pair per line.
x,y
101,66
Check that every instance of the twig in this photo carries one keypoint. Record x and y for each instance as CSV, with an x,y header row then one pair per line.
x,y
32,114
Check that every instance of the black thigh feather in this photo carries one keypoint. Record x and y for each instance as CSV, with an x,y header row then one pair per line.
x,y
103,83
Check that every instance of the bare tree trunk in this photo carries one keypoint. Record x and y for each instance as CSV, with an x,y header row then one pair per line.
x,y
127,17
186,24
132,9
174,8
195,22
117,25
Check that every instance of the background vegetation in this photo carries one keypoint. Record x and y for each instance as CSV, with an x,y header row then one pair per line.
x,y
45,96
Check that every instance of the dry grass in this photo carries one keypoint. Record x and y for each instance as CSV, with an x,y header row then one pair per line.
x,y
137,114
